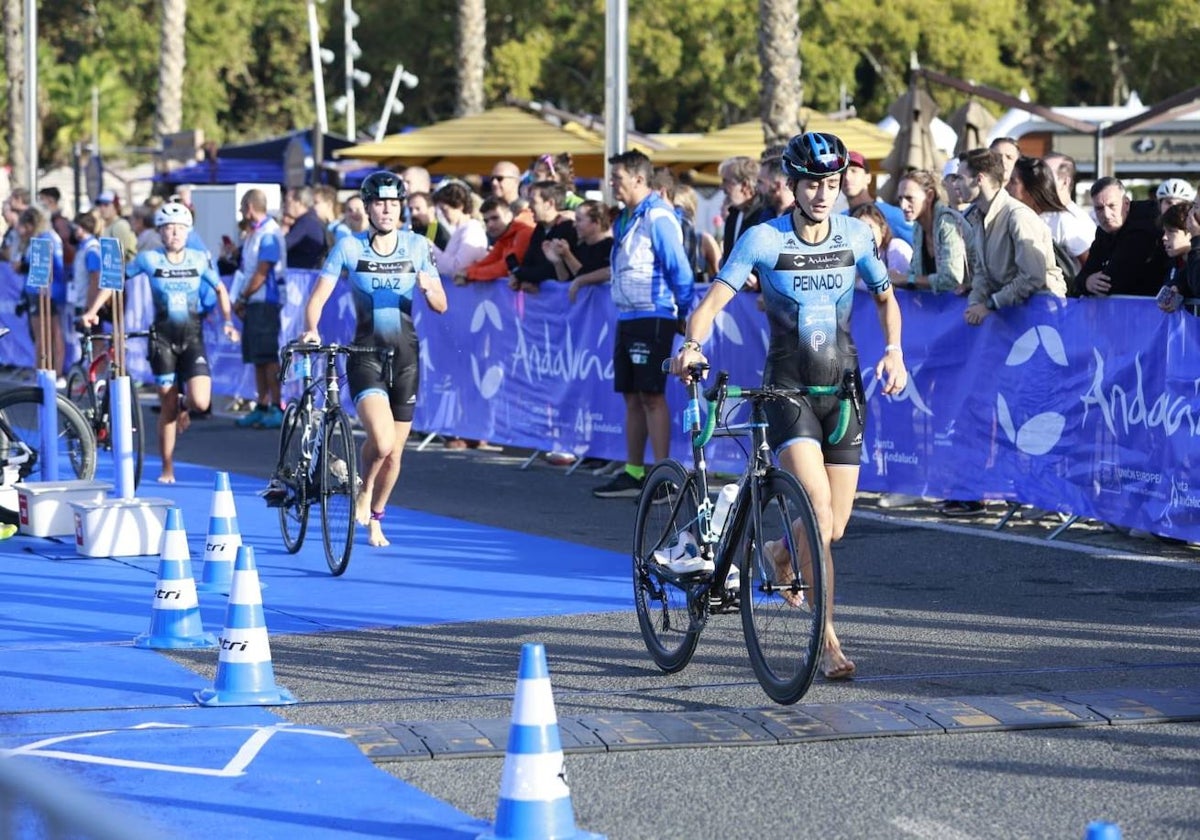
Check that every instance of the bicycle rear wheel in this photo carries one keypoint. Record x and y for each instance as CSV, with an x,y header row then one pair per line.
x,y
338,483
291,472
667,508
783,589
75,440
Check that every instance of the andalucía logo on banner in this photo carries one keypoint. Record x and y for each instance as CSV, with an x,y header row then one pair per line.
x,y
1040,433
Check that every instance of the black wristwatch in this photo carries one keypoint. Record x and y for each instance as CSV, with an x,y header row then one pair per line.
x,y
990,303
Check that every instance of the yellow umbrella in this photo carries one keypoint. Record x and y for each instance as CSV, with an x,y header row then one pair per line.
x,y
471,145
746,139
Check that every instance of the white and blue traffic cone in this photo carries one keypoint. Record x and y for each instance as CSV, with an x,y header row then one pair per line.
x,y
175,620
244,673
1101,830
222,541
535,802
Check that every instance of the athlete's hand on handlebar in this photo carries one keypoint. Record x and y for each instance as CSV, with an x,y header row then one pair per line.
x,y
309,337
681,362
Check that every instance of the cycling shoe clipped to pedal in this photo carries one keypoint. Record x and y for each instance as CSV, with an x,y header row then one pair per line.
x,y
275,494
682,556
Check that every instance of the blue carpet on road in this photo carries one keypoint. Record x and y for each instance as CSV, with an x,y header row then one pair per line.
x,y
121,721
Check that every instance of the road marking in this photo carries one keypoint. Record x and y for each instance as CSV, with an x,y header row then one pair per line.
x,y
928,829
236,766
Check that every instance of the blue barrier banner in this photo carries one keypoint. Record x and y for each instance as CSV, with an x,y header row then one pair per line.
x,y
1087,406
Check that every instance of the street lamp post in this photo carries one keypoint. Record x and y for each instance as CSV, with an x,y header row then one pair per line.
x,y
394,105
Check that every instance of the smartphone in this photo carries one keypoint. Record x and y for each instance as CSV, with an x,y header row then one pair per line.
x,y
1168,298
512,262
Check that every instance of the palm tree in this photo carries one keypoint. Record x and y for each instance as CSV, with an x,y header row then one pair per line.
x,y
779,55
69,89
168,118
14,66
472,41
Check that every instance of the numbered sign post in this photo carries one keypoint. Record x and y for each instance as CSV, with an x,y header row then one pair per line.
x,y
112,277
41,270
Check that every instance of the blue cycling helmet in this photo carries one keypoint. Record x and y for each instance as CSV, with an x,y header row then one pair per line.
x,y
815,154
382,184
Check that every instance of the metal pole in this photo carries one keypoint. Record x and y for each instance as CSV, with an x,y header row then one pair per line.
x,y
314,46
351,128
381,129
31,85
616,84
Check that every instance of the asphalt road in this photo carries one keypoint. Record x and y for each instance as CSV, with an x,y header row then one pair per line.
x,y
929,612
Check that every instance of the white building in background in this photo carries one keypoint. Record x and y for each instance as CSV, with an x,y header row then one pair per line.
x,y
1169,149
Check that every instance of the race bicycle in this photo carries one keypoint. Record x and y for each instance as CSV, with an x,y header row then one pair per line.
x,y
317,459
21,436
761,563
87,388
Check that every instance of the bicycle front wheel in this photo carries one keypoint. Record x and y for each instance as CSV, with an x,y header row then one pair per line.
x,y
75,442
338,484
783,589
291,472
666,510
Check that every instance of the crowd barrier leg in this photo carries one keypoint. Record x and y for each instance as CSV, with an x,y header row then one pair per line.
x,y
1067,523
428,439
1013,507
529,461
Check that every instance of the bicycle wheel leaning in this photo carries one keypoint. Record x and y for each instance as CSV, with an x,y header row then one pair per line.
x,y
666,510
291,472
76,442
783,589
338,484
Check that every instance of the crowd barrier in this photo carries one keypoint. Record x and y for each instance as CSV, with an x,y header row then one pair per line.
x,y
1090,407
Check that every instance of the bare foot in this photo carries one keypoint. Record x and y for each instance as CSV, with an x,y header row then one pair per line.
x,y
166,479
778,555
362,507
375,535
836,666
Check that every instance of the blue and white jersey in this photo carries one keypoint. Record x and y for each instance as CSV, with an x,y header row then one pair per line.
x,y
265,243
808,290
181,292
87,263
651,274
382,285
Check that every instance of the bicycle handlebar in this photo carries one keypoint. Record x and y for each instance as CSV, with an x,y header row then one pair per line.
x,y
331,350
716,395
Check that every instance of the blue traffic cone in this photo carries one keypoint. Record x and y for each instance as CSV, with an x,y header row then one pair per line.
x,y
222,541
1100,830
175,615
244,673
535,802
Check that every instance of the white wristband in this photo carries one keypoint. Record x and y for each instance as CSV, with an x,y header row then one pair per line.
x,y
893,348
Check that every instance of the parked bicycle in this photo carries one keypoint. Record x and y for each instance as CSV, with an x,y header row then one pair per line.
x,y
87,388
318,463
761,562
21,434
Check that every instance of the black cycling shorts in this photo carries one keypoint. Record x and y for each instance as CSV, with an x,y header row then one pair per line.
x,y
814,420
174,362
640,348
366,375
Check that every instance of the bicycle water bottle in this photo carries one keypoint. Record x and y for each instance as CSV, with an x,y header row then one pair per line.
x,y
721,509
302,366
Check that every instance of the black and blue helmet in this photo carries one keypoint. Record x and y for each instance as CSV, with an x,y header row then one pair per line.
x,y
815,154
382,184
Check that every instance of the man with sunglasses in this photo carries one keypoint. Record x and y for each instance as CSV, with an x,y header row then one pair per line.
x,y
807,262
506,182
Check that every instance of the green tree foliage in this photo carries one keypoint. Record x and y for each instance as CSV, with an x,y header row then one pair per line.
x,y
692,66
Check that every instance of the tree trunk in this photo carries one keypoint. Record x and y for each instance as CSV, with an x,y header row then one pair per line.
x,y
472,42
14,65
168,117
779,55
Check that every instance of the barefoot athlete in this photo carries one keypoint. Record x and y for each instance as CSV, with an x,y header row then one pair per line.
x,y
183,286
806,261
384,266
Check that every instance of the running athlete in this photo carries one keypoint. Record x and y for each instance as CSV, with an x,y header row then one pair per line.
x,y
183,287
807,261
385,266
